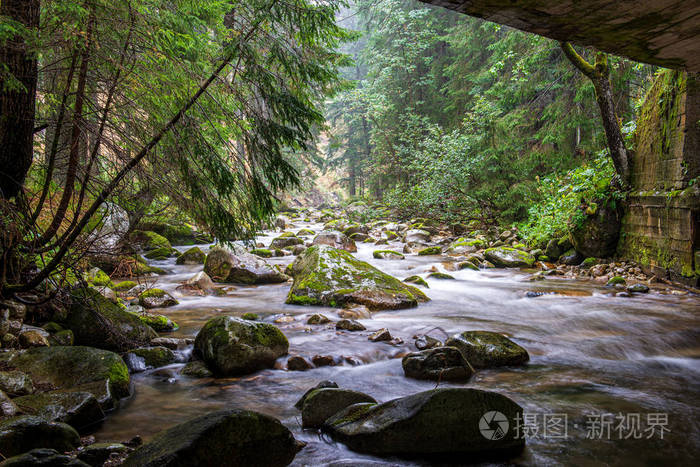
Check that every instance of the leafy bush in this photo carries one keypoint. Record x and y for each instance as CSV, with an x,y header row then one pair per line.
x,y
561,195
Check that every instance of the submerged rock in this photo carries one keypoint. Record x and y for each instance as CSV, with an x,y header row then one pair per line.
x,y
238,266
196,369
321,404
485,349
227,437
233,346
97,322
441,422
439,364
335,239
327,276
27,432
506,257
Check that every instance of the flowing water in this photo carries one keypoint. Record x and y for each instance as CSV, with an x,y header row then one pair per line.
x,y
595,359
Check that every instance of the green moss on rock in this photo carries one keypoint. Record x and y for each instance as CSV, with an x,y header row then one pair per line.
x,y
324,275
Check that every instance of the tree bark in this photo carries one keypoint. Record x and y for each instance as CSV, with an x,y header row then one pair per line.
x,y
17,105
599,74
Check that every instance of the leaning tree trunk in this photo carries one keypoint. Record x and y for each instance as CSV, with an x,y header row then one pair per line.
x,y
599,74
17,102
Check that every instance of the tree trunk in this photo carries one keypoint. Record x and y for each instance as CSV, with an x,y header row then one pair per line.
x,y
17,105
613,134
599,74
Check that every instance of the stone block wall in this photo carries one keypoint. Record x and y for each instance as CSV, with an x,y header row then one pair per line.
x,y
661,226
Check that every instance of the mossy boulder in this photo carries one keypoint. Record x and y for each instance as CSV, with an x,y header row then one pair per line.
x,y
594,229
438,364
441,422
335,239
485,349
97,322
416,280
196,369
250,316
262,252
156,298
238,266
159,323
79,409
177,234
147,240
321,404
26,432
387,254
160,254
306,233
467,265
192,256
616,280
430,251
124,286
149,357
99,278
285,241
441,276
227,437
233,346
76,368
506,257
328,276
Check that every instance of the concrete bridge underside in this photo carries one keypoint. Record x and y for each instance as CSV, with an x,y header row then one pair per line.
x,y
661,32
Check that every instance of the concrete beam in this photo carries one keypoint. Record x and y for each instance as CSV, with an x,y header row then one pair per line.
x,y
661,32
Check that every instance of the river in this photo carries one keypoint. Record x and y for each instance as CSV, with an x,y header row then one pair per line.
x,y
594,359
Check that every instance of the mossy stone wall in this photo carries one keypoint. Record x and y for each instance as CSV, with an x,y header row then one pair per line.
x,y
660,229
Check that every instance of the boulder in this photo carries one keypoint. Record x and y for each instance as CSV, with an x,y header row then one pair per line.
x,y
285,241
387,254
159,323
439,364
196,369
44,457
571,258
485,349
147,240
238,266
323,384
156,298
78,409
26,432
7,407
335,239
331,277
416,236
430,251
16,383
100,372
97,322
298,363
199,282
96,454
321,404
318,318
441,423
233,346
381,335
228,437
594,229
192,256
349,325
506,257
